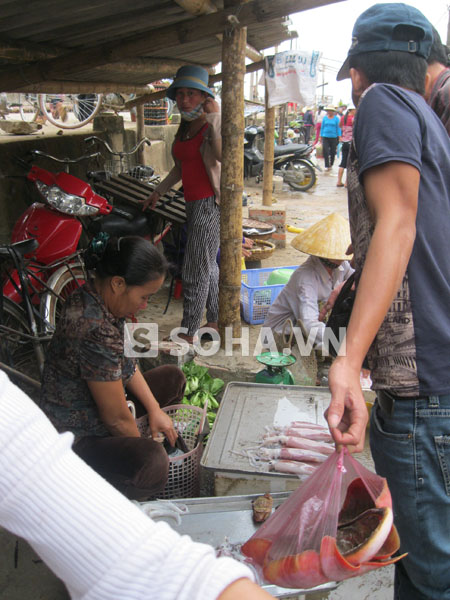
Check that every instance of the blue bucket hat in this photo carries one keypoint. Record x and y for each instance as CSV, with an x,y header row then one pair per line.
x,y
190,76
374,31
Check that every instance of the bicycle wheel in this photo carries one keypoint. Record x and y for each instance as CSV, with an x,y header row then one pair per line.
x,y
28,107
63,282
16,350
70,111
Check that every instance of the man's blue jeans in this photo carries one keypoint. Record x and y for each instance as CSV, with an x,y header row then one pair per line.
x,y
410,443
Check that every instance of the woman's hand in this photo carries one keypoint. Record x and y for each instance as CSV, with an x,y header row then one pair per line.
x,y
210,105
151,200
247,244
160,422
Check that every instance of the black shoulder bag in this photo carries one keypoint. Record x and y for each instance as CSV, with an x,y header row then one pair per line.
x,y
341,311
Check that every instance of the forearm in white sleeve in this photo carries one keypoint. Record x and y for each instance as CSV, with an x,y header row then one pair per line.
x,y
90,535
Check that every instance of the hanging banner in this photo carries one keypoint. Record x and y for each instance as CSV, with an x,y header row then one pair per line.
x,y
292,77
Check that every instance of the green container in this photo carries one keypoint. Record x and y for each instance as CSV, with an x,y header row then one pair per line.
x,y
279,276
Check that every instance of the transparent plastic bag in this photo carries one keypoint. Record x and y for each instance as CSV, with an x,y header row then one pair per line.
x,y
336,525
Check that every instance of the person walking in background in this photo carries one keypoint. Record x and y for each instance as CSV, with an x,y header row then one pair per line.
x,y
399,207
197,152
346,125
437,83
320,113
329,134
308,123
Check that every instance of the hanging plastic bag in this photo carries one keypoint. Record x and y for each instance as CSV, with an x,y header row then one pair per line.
x,y
336,525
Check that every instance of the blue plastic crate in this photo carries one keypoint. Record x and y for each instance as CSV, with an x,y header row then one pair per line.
x,y
256,296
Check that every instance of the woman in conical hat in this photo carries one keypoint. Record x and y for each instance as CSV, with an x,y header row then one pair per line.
x,y
313,281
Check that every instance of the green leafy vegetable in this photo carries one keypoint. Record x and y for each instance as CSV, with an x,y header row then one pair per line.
x,y
201,388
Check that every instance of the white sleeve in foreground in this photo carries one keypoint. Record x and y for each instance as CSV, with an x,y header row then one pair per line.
x,y
90,535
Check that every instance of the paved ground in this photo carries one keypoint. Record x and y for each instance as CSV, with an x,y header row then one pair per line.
x,y
24,577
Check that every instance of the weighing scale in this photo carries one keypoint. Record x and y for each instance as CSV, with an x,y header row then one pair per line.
x,y
276,371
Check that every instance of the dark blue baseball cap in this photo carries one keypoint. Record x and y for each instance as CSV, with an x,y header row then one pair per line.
x,y
374,31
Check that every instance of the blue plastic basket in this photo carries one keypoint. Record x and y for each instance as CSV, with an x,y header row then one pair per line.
x,y
256,296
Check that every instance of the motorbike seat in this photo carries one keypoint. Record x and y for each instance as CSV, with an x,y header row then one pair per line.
x,y
23,247
116,225
290,149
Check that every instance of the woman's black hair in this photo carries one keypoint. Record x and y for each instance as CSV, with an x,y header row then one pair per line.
x,y
131,257
439,53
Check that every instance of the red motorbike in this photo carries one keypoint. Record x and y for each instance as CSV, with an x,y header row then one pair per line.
x,y
43,264
69,214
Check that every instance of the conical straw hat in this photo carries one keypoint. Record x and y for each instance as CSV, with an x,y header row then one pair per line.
x,y
328,238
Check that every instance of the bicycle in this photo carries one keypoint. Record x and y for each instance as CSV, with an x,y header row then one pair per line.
x,y
24,329
26,105
122,162
67,111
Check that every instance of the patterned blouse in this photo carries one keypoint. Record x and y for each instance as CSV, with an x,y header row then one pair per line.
x,y
88,345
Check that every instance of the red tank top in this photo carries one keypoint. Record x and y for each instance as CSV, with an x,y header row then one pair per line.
x,y
196,184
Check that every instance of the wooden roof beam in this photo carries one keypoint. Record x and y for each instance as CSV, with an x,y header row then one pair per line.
x,y
161,67
21,52
256,66
83,87
206,7
152,41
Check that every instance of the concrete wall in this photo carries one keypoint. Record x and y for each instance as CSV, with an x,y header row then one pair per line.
x,y
159,154
16,193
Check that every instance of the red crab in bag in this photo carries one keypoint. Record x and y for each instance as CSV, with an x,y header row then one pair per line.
x,y
336,525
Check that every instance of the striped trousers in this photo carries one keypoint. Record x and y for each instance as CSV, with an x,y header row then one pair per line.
x,y
200,273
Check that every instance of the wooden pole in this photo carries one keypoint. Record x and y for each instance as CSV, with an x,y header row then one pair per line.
x,y
232,181
269,143
282,115
448,28
140,133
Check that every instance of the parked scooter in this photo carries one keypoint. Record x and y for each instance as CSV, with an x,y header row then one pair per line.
x,y
69,214
293,162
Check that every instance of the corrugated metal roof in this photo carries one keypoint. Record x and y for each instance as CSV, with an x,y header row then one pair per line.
x,y
34,33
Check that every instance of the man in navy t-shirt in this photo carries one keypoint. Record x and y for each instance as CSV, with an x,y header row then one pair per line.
x,y
399,207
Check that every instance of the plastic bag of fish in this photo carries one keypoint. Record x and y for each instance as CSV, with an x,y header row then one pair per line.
x,y
336,525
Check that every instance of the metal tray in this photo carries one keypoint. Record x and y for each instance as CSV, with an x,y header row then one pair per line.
x,y
245,411
214,521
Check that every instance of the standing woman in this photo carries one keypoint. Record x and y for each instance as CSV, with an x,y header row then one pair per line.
x,y
197,152
318,120
346,125
329,134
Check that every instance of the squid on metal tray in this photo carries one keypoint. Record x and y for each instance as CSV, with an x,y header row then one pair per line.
x,y
336,525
